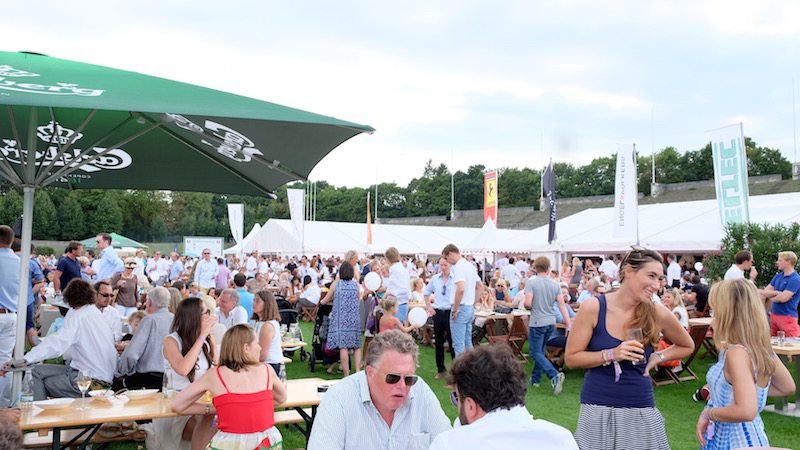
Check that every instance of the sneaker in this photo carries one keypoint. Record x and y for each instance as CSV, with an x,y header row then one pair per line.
x,y
440,375
701,395
558,383
536,385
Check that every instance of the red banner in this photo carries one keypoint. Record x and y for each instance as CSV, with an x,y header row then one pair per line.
x,y
490,196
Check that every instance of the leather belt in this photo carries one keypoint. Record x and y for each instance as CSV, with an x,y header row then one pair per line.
x,y
7,311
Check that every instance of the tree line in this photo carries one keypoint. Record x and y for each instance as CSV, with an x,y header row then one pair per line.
x,y
158,216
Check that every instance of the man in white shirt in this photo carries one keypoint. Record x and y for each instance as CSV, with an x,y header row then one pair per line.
x,y
157,269
609,268
230,313
489,387
743,262
102,301
384,407
251,267
673,272
263,266
522,266
141,262
205,272
84,336
468,287
510,272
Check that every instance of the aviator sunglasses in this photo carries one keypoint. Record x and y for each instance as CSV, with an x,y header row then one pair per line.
x,y
393,378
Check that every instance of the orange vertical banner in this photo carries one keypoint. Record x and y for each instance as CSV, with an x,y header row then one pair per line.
x,y
369,222
490,196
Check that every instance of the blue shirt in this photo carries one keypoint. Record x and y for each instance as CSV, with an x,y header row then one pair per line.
x,y
9,279
444,292
69,268
246,301
110,263
782,283
175,270
36,276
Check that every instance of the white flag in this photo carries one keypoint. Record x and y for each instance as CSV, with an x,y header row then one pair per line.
x,y
730,173
626,220
236,219
296,201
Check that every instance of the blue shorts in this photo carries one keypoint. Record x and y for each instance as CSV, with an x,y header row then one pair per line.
x,y
29,318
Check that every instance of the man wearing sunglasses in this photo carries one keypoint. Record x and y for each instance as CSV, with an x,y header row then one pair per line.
x,y
489,392
383,407
439,292
102,301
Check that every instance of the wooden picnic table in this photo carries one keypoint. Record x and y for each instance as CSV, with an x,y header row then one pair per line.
x,y
789,350
301,393
293,344
697,321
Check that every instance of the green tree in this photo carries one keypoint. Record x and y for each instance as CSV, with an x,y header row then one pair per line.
x,y
430,194
766,161
469,188
518,187
70,217
10,207
696,165
45,218
764,241
107,214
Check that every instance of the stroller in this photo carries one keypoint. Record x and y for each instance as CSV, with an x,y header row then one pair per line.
x,y
289,319
318,340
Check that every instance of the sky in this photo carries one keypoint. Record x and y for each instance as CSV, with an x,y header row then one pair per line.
x,y
503,84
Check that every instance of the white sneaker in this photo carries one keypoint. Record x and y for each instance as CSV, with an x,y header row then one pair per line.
x,y
558,383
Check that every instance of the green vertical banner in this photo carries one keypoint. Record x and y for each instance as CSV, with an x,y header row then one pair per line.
x,y
730,174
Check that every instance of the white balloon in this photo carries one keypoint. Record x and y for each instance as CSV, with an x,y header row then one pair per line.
x,y
417,317
372,281
698,266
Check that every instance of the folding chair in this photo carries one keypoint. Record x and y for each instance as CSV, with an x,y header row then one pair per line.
x,y
698,334
309,314
495,332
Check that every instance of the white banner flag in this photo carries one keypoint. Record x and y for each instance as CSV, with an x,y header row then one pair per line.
x,y
730,173
296,202
236,219
626,201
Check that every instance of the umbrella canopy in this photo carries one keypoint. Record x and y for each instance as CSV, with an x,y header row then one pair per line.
x,y
117,241
97,127
78,125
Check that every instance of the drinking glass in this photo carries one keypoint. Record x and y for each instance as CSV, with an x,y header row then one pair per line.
x,y
781,338
83,381
166,386
635,334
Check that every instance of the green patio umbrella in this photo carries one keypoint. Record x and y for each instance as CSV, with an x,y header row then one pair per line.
x,y
117,241
78,125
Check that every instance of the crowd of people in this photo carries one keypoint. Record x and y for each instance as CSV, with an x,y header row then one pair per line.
x,y
214,324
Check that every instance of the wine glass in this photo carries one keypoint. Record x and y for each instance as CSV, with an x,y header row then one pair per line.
x,y
83,381
635,334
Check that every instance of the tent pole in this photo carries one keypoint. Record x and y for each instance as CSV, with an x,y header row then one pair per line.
x,y
24,283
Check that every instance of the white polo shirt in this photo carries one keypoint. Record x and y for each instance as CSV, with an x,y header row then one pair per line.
x,y
464,271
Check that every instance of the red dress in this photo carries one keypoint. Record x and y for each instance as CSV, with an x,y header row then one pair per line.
x,y
245,414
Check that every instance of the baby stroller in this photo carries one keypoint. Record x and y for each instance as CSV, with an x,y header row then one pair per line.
x,y
289,320
318,340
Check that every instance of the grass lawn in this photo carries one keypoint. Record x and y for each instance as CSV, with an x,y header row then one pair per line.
x,y
674,402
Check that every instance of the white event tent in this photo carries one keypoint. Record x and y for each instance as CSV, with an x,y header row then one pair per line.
x,y
679,227
669,227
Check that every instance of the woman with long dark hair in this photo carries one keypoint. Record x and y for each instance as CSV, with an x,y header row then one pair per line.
x,y
189,352
613,336
344,331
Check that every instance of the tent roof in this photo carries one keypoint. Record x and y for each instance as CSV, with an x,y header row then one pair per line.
x,y
117,241
675,227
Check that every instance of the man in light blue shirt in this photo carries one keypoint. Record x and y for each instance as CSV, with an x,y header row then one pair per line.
x,y
110,263
9,295
245,298
440,292
385,407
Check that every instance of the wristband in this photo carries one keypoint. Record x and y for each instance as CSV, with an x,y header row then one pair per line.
x,y
660,355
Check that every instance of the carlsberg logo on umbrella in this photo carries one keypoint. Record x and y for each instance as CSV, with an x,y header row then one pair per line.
x,y
33,88
235,145
54,135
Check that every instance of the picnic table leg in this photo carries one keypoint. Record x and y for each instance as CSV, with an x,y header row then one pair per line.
x,y
56,439
782,403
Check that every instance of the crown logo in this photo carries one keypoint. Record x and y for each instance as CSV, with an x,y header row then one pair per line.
x,y
55,133
8,71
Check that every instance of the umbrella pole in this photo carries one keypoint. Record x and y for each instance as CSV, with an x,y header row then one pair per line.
x,y
24,284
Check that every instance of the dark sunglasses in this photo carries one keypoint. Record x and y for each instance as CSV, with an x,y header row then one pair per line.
x,y
454,398
106,295
444,289
393,378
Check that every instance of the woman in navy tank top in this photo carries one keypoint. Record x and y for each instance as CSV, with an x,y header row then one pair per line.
x,y
613,336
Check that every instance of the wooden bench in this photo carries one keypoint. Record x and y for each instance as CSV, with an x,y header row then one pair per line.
x,y
309,314
45,440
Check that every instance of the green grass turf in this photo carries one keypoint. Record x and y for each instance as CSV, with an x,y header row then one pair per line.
x,y
674,402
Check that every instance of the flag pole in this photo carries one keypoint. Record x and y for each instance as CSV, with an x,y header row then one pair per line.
x,y
636,191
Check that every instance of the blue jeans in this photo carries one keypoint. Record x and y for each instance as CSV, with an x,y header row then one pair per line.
x,y
461,329
402,312
537,340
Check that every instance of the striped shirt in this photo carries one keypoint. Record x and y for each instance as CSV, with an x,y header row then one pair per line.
x,y
347,418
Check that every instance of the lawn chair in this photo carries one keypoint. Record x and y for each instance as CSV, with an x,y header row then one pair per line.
x,y
515,338
698,334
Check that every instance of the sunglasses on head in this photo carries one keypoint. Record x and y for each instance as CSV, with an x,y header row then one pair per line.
x,y
393,378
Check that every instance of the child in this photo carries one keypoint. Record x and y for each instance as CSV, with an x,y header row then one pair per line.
x,y
747,371
417,285
388,320
133,323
